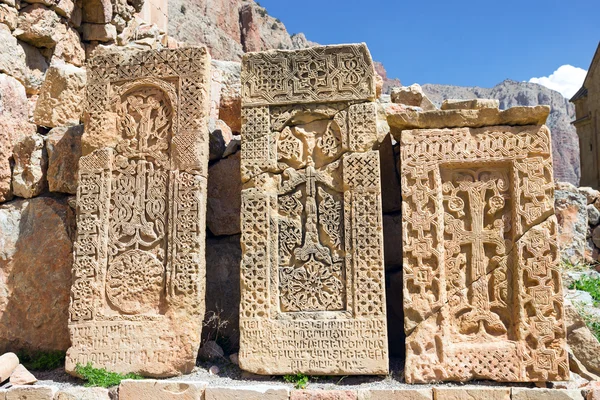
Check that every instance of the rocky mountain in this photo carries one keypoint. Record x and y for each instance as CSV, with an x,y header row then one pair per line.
x,y
230,27
511,93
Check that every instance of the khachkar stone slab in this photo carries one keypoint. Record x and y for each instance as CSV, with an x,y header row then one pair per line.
x,y
137,297
482,288
312,275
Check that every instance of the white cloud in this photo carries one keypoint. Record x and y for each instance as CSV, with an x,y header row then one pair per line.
x,y
567,80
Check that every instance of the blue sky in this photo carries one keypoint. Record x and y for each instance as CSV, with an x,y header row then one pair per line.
x,y
464,42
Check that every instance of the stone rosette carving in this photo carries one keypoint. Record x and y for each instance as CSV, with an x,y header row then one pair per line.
x,y
137,296
482,287
312,274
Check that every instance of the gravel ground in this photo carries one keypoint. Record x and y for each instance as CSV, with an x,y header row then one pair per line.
x,y
231,375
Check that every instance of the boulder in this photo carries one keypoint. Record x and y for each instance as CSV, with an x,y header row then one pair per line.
x,y
65,8
596,236
61,97
593,215
21,376
226,98
412,96
210,351
22,61
38,25
31,163
12,131
590,194
571,213
8,363
582,342
99,32
13,99
224,196
64,150
473,104
219,139
36,252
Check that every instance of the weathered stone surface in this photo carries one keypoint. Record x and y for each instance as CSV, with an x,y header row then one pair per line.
x,y
161,390
468,223
21,376
9,16
36,245
31,393
210,351
139,265
400,118
254,392
65,9
69,47
13,99
309,169
63,145
590,194
61,97
472,393
82,393
582,342
223,257
224,196
31,163
546,394
593,215
226,98
38,26
395,394
8,363
474,104
99,32
596,236
571,214
12,131
412,96
22,61
97,11
323,395
391,199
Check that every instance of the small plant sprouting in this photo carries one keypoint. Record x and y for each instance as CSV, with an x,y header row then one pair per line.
x,y
101,377
592,321
299,380
183,9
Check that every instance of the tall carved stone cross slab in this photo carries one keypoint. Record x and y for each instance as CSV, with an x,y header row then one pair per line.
x,y
482,288
137,299
312,273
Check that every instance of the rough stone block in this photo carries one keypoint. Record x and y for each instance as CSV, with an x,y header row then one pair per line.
x,y
395,394
546,394
31,163
83,393
161,390
323,395
475,393
63,145
482,284
31,393
8,363
139,262
571,214
36,256
22,61
312,236
99,32
474,104
254,392
38,26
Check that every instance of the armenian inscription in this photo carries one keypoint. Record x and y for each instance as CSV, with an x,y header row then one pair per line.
x,y
482,288
313,297
137,297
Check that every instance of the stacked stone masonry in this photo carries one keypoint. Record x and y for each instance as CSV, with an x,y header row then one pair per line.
x,y
139,265
312,275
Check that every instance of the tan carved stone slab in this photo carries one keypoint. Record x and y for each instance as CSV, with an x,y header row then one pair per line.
x,y
137,297
482,288
313,297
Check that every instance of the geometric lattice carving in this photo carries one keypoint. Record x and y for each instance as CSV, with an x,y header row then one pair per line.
x,y
313,297
482,288
138,275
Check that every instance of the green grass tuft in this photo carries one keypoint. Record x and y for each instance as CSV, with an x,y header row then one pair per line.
x,y
590,285
101,377
592,321
42,360
299,380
